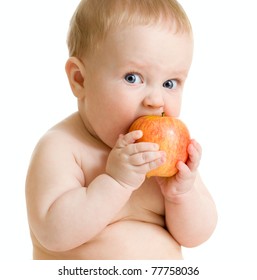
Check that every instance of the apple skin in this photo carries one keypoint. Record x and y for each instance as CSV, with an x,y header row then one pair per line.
x,y
172,136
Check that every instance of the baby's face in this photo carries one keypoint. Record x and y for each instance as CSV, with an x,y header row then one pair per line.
x,y
138,71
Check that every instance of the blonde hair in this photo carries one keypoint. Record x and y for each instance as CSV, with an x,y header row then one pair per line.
x,y
93,19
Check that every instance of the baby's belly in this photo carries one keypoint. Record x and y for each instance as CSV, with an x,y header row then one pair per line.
x,y
124,240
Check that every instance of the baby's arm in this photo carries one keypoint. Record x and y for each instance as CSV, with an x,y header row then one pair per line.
x,y
190,211
63,214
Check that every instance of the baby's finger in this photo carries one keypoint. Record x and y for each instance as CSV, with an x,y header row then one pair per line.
x,y
197,146
184,175
156,163
146,157
194,157
184,170
141,147
128,138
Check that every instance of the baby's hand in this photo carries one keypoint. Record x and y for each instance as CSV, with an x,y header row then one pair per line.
x,y
183,181
129,162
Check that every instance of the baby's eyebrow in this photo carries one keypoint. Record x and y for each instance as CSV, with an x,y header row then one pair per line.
x,y
137,64
182,73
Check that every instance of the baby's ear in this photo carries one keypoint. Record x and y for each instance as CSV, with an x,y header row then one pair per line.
x,y
75,71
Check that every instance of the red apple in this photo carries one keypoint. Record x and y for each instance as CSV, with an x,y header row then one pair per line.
x,y
172,136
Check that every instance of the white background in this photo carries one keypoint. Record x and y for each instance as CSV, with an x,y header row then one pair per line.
x,y
219,108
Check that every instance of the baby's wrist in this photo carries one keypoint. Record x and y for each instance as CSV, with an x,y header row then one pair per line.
x,y
120,183
179,197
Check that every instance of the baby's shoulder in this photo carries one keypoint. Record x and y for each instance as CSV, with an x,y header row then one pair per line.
x,y
59,141
70,147
67,133
70,141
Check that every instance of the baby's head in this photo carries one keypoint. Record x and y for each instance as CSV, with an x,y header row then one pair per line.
x,y
128,58
93,19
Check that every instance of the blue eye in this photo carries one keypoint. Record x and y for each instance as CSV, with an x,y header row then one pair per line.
x,y
133,78
170,84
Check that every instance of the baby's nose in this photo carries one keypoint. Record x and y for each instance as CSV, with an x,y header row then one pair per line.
x,y
154,100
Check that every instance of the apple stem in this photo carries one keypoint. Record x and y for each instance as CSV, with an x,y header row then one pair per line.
x,y
163,113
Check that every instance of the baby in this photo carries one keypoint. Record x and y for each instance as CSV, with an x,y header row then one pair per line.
x,y
86,189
